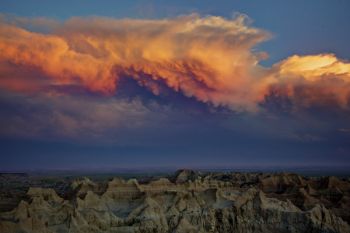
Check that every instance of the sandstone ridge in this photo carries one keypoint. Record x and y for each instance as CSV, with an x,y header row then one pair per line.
x,y
188,202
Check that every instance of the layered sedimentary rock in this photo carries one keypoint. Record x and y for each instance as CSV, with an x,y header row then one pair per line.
x,y
188,202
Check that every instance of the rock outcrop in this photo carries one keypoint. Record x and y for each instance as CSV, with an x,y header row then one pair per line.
x,y
188,202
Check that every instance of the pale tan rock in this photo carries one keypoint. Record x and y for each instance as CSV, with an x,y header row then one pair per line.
x,y
222,203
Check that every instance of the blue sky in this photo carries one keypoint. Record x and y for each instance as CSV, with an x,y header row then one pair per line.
x,y
174,129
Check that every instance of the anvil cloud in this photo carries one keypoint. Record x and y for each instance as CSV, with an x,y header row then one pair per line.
x,y
209,58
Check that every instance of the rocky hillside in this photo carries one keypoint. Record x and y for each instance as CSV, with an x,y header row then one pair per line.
x,y
187,202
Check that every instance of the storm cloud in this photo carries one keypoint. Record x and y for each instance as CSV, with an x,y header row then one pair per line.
x,y
211,59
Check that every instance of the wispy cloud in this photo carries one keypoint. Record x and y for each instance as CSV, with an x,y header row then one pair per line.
x,y
81,118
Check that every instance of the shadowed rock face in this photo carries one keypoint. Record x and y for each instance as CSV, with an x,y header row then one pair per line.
x,y
188,202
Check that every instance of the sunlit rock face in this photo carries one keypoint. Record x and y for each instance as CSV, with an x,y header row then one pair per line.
x,y
187,202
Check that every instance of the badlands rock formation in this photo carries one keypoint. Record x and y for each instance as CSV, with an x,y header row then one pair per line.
x,y
188,202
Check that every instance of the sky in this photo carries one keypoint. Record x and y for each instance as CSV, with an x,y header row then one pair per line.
x,y
158,84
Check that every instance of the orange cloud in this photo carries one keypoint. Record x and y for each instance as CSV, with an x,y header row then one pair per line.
x,y
315,79
208,58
